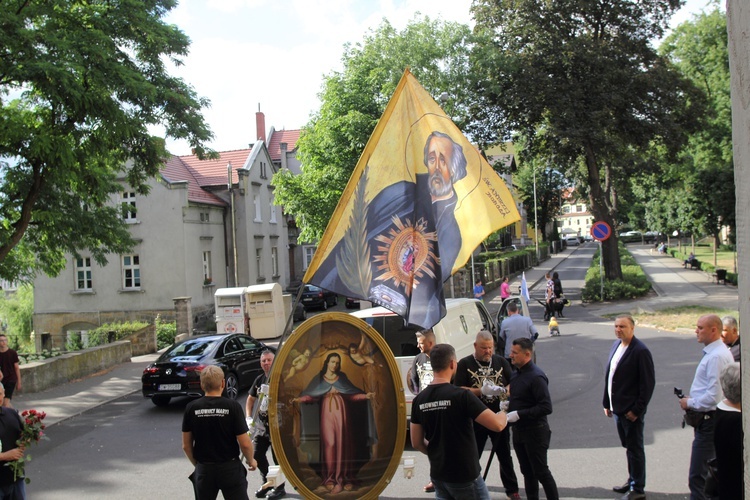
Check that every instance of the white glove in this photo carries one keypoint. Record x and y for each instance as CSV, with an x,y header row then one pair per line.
x,y
490,389
513,417
504,405
249,421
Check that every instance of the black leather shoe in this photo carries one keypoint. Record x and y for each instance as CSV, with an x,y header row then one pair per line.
x,y
634,495
622,489
262,492
277,492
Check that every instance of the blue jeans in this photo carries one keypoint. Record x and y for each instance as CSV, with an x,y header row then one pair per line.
x,y
15,491
473,490
703,450
631,437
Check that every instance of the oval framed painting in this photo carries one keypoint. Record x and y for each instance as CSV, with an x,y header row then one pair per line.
x,y
340,409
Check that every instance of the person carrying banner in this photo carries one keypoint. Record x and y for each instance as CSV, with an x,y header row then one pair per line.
x,y
258,423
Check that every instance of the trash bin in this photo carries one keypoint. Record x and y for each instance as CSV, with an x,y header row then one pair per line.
x,y
721,275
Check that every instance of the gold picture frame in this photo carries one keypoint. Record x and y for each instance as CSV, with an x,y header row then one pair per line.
x,y
338,417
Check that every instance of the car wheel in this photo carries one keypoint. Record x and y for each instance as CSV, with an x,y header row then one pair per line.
x,y
303,316
232,386
161,400
325,305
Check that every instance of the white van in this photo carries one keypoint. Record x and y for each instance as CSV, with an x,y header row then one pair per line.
x,y
463,320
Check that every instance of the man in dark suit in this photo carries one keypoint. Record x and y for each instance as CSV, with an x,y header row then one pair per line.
x,y
629,384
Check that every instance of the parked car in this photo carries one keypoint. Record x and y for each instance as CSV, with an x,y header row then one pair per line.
x,y
300,313
352,303
572,241
177,371
314,297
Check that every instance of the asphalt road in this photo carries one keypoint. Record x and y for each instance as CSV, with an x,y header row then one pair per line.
x,y
131,448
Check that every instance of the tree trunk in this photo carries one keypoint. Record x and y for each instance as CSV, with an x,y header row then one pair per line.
x,y
599,207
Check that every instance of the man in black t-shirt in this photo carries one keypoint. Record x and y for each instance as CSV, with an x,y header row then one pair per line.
x,y
486,375
258,396
441,427
213,434
420,375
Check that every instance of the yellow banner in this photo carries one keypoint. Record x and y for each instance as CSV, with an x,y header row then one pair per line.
x,y
419,201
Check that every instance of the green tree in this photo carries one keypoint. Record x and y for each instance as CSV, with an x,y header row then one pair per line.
x,y
16,310
699,49
550,184
80,84
583,74
353,99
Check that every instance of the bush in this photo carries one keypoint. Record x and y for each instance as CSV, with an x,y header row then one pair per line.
x,y
30,357
165,333
634,282
73,342
100,335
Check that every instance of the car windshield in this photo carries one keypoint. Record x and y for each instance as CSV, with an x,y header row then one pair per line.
x,y
190,348
311,288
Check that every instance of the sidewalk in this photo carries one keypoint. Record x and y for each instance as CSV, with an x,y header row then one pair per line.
x,y
673,285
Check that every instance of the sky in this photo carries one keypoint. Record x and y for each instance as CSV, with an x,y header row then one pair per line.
x,y
272,55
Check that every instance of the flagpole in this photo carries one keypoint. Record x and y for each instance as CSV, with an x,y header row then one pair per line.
x,y
536,227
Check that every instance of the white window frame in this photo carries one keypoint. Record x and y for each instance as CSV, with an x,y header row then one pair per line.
x,y
207,276
128,198
83,274
258,261
256,202
273,212
131,272
275,261
307,255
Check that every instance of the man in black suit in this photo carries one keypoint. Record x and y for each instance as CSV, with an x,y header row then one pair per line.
x,y
629,384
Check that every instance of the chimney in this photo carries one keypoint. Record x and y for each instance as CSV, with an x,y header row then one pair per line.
x,y
260,125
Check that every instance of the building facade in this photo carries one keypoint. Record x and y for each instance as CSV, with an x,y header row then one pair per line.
x,y
193,234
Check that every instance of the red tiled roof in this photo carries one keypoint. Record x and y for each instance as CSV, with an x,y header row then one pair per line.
x,y
214,172
202,174
274,145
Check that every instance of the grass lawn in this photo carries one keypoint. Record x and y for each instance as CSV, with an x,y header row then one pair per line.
x,y
680,317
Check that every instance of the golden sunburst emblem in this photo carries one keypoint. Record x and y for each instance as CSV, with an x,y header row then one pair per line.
x,y
406,253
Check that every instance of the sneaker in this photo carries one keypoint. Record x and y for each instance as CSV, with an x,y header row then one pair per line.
x,y
514,496
429,488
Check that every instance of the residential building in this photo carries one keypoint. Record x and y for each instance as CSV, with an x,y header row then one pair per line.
x,y
193,235
575,219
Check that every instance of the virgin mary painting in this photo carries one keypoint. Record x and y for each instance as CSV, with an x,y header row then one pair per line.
x,y
329,407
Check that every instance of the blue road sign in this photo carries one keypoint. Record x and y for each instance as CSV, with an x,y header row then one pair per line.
x,y
600,231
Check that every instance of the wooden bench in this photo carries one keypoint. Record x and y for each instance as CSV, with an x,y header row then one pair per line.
x,y
694,264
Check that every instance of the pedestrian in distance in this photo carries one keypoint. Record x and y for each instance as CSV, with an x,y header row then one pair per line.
x,y
442,428
629,384
557,289
730,335
505,288
257,418
10,433
10,369
478,290
705,395
486,375
530,403
214,432
515,326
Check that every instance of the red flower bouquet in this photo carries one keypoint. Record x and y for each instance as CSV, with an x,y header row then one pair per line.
x,y
32,431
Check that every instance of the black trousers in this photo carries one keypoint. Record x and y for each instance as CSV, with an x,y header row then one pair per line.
x,y
531,445
229,477
261,445
501,442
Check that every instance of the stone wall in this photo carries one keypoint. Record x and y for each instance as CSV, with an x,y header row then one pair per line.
x,y
143,341
41,375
